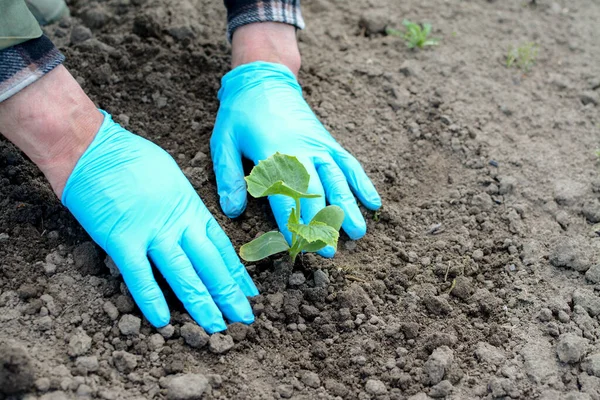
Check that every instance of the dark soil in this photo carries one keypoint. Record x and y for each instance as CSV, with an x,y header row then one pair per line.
x,y
478,278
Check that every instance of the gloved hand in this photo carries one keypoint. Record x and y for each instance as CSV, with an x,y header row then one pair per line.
x,y
262,112
134,201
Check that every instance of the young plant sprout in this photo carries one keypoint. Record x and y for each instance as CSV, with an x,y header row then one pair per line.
x,y
416,35
284,175
523,56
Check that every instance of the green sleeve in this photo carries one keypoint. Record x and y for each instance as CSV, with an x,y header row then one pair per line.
x,y
17,24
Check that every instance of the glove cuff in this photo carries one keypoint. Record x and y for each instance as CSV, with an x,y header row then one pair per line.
x,y
255,73
106,123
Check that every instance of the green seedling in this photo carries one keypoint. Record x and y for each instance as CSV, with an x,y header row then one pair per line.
x,y
284,175
522,57
416,35
597,152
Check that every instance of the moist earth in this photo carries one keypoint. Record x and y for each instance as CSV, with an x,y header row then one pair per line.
x,y
479,277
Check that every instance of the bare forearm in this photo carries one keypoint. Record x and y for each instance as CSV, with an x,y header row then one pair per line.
x,y
53,122
266,41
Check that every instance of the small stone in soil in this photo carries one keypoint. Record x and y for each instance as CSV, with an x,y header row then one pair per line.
x,y
545,315
571,348
593,274
437,305
45,323
125,362
591,210
321,279
219,343
487,353
568,254
198,159
336,388
110,310
80,34
285,391
79,344
310,379
156,342
16,370
477,255
296,279
194,335
375,387
441,390
87,364
238,331
438,364
42,384
591,365
124,304
130,325
166,331
463,287
588,300
354,297
187,387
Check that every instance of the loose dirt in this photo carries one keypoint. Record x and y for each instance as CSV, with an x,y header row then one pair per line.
x,y
479,278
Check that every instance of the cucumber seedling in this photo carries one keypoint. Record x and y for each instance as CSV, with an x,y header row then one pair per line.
x,y
416,35
285,175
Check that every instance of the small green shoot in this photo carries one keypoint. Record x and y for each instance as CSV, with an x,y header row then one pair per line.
x,y
284,175
597,152
376,216
522,57
416,35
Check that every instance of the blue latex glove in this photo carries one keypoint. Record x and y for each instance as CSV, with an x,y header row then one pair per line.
x,y
134,201
262,112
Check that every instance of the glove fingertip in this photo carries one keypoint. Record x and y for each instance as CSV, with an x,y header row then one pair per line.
x,y
327,252
368,195
354,224
159,317
246,315
248,320
234,204
214,326
374,202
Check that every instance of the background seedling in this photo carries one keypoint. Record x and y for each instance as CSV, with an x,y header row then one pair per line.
x,y
522,57
416,35
284,175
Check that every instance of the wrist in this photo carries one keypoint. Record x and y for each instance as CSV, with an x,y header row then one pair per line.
x,y
53,122
266,41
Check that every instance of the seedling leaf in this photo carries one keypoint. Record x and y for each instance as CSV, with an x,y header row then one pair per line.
x,y
264,246
330,215
279,174
316,231
426,29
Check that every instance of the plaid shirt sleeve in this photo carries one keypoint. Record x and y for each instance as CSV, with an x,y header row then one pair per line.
x,y
243,12
25,63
